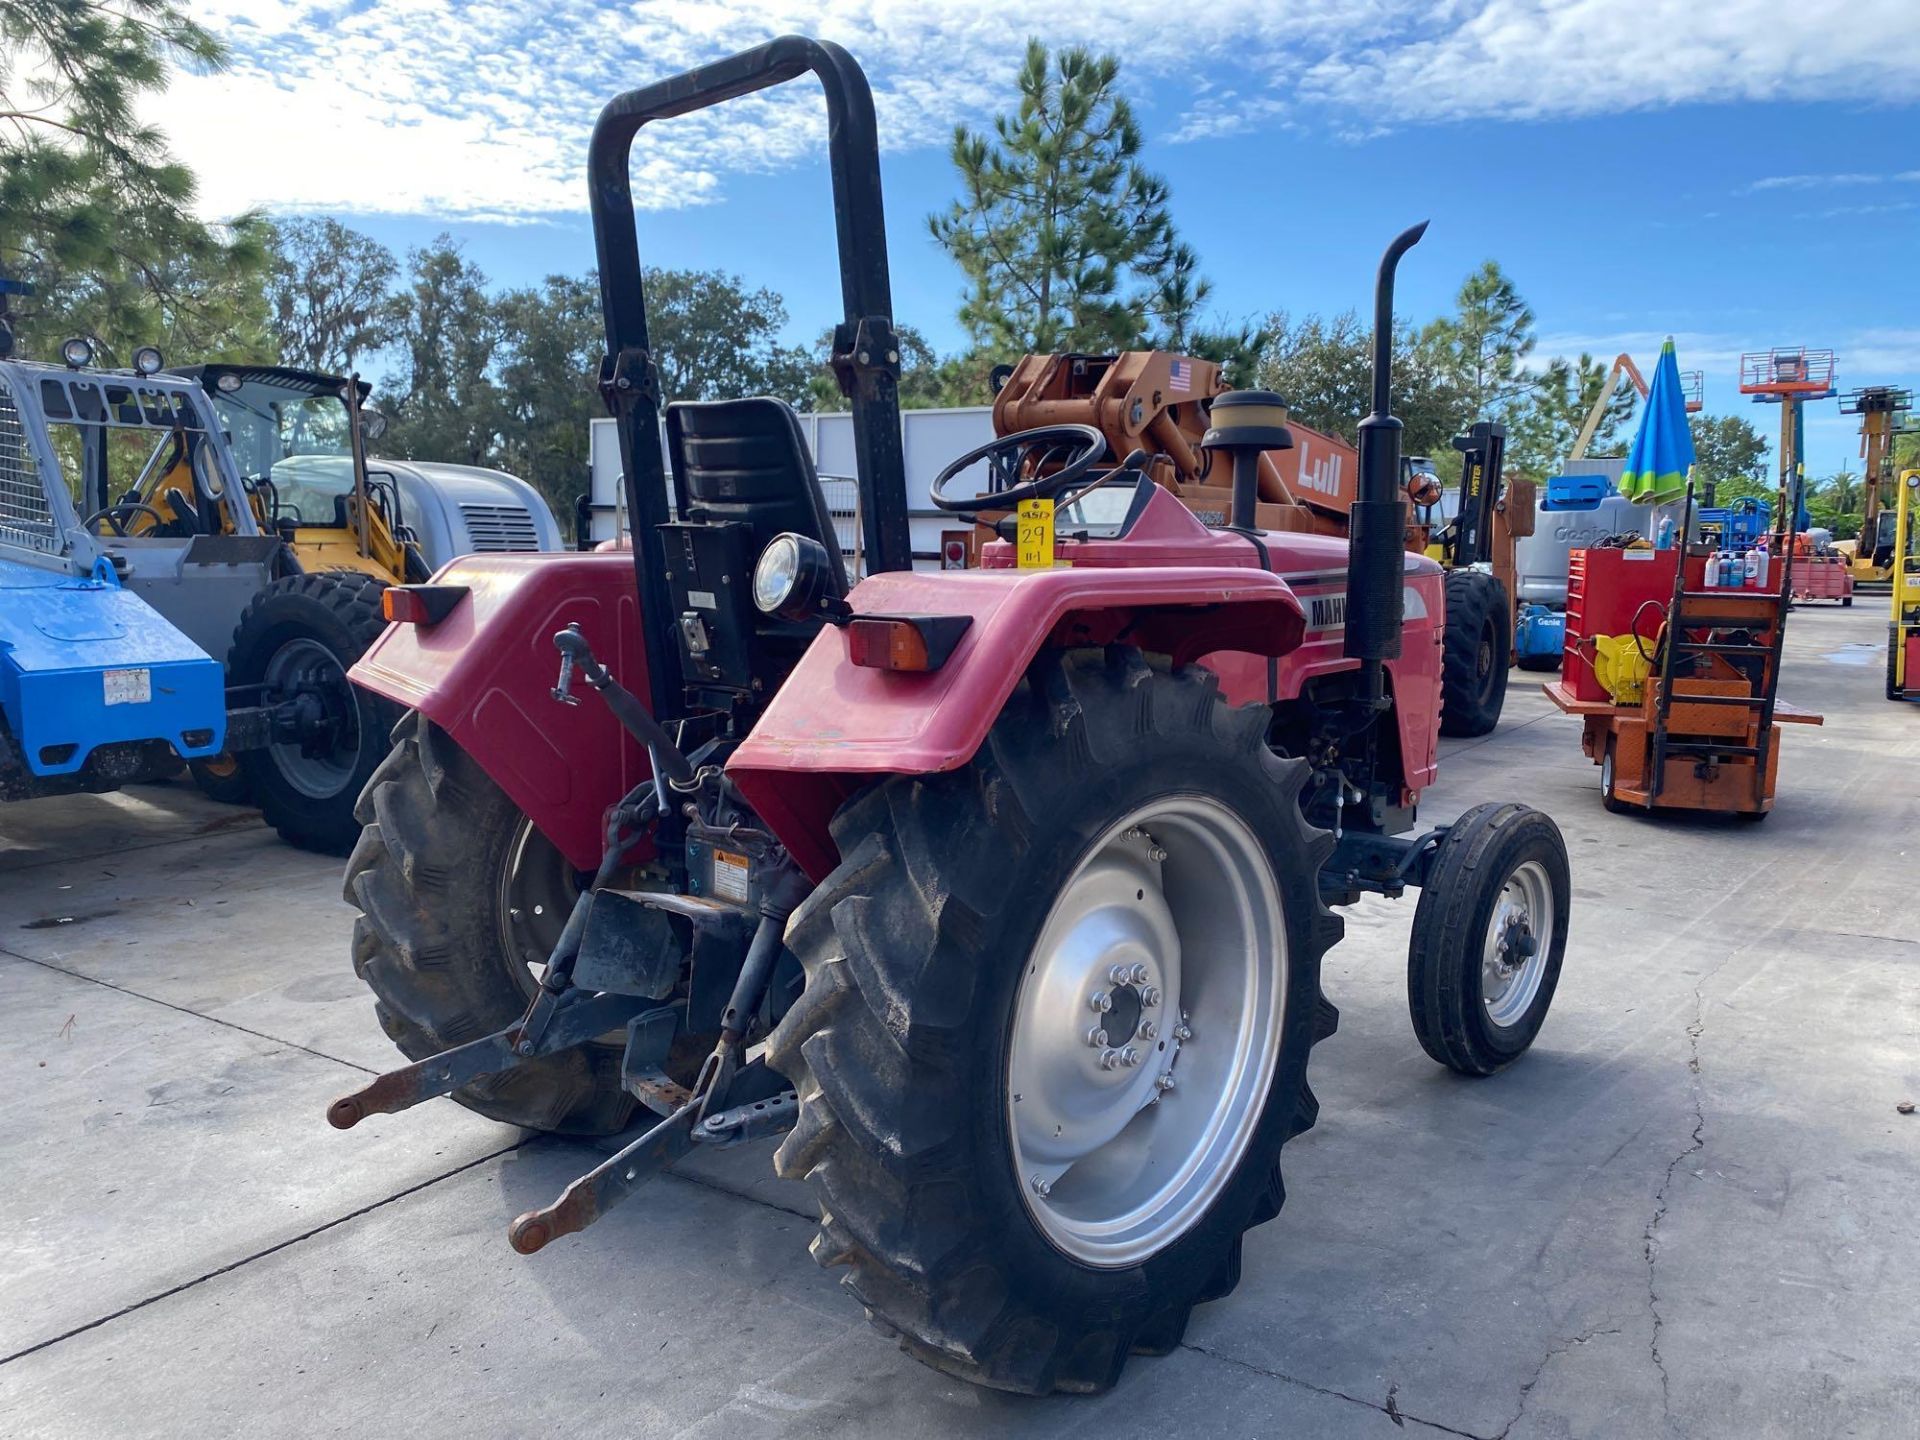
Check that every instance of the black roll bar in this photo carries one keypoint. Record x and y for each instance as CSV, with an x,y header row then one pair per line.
x,y
866,357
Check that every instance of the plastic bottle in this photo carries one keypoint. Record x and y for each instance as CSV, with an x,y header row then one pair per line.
x,y
1665,540
1760,563
1750,576
1713,570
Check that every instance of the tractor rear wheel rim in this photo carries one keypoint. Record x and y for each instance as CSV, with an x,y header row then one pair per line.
x,y
1514,957
536,895
301,664
1171,928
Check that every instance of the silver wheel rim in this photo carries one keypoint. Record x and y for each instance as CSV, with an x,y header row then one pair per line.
x,y
1606,773
1172,923
305,661
535,897
1514,955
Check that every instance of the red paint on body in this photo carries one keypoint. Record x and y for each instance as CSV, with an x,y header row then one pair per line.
x,y
485,675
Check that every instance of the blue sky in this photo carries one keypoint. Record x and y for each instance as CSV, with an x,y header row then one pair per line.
x,y
1728,174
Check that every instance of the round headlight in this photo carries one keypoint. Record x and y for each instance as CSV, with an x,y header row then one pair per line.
x,y
227,384
794,579
77,352
147,361
774,576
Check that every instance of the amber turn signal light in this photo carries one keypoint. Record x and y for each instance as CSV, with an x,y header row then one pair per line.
x,y
420,604
911,643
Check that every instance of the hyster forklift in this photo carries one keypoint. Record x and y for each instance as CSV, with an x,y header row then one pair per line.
x,y
1001,894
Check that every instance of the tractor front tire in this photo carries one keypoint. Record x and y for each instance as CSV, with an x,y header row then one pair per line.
x,y
307,631
1014,1174
1475,653
1488,937
460,901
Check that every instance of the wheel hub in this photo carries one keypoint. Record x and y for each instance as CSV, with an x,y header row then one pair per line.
x,y
1165,946
1512,961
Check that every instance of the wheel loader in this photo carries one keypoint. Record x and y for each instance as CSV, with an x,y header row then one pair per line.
x,y
998,895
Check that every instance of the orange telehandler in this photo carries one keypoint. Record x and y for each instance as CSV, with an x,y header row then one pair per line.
x,y
1160,403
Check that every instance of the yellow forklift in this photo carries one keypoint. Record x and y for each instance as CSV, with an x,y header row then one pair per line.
x,y
1903,633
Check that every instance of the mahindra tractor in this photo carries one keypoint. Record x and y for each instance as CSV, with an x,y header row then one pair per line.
x,y
999,894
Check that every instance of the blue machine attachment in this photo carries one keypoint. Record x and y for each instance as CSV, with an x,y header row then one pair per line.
x,y
1576,492
1736,527
84,663
1539,638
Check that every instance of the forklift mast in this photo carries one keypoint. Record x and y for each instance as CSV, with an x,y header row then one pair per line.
x,y
1483,451
866,352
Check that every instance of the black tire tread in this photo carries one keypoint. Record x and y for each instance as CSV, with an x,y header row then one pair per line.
x,y
351,599
891,947
1447,934
426,943
1475,601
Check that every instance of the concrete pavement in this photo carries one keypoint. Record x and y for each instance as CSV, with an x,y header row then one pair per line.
x,y
1690,1211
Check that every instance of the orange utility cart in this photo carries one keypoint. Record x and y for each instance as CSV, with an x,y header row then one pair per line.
x,y
1704,732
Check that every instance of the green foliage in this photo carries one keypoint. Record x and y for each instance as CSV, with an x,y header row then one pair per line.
x,y
446,329
329,288
1063,236
712,337
1486,342
1324,369
98,214
551,341
1837,503
1731,455
1545,426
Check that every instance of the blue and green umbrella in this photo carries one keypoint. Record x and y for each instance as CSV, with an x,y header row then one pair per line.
x,y
1662,449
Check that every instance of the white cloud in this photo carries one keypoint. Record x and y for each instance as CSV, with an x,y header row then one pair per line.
x,y
462,109
1821,182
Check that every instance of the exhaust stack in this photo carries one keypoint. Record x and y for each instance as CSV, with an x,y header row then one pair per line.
x,y
1377,524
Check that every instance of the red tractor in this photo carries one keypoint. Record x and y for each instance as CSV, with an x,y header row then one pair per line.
x,y
1001,893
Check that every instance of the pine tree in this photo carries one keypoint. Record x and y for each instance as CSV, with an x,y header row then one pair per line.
x,y
98,214
1064,237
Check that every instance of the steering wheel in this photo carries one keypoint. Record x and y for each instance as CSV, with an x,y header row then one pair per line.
x,y
1006,454
116,517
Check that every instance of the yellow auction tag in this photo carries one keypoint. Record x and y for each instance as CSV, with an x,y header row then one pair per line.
x,y
1033,535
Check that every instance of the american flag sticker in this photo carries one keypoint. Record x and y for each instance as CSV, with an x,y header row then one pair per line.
x,y
1180,377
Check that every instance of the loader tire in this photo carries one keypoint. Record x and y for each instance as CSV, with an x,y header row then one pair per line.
x,y
1488,937
305,632
942,1028
1475,653
443,865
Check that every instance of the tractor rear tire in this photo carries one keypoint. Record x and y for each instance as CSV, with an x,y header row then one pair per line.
x,y
459,899
1477,997
316,624
914,1039
1474,657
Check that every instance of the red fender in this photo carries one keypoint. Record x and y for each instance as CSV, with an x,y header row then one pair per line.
x,y
485,675
834,725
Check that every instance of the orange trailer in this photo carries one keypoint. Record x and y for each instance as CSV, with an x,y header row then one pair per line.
x,y
1703,732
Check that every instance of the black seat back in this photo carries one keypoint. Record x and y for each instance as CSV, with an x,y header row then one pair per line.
x,y
746,461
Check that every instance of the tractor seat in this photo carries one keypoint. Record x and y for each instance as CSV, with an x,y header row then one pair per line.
x,y
746,461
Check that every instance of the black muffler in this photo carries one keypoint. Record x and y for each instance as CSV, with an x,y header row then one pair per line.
x,y
1377,524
